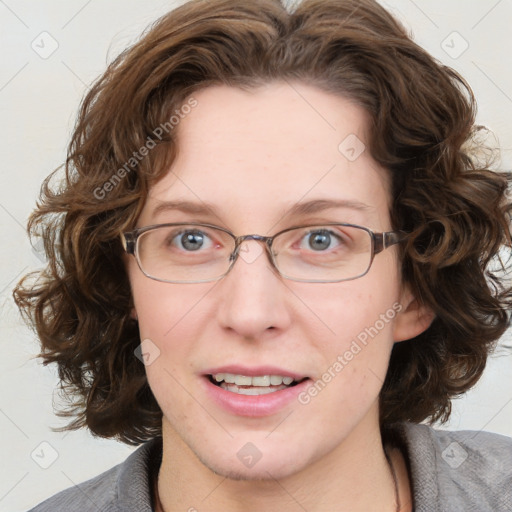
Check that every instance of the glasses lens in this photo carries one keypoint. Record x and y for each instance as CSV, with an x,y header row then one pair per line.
x,y
323,253
184,253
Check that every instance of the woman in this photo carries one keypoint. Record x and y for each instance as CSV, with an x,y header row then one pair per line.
x,y
269,262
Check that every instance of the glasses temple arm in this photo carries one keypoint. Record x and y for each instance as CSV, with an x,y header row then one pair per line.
x,y
128,241
384,240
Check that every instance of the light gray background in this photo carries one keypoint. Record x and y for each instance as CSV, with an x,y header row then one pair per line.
x,y
38,101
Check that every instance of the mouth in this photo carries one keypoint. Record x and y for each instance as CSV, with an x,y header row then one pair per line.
x,y
253,385
254,391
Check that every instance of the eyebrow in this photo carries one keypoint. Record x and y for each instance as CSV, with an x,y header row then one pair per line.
x,y
319,205
298,209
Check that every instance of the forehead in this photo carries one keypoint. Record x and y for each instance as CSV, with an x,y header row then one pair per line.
x,y
263,151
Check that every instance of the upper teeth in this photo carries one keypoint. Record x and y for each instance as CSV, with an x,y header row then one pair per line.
x,y
260,380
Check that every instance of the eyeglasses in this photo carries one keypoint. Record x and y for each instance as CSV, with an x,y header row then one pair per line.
x,y
199,253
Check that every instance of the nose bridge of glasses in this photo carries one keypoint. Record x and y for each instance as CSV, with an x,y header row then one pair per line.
x,y
250,252
259,238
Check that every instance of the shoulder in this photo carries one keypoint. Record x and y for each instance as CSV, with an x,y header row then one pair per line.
x,y
99,493
459,470
125,487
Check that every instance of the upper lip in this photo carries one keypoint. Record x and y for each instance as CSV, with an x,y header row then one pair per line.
x,y
254,371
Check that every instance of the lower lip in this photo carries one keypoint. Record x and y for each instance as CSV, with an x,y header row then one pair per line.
x,y
254,405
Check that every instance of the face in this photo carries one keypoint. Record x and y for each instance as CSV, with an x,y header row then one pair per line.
x,y
251,157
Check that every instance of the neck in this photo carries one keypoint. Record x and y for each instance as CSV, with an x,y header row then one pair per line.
x,y
354,476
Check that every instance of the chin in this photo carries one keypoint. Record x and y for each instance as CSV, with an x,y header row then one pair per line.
x,y
274,463
263,473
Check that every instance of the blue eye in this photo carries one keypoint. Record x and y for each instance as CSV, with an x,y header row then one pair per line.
x,y
320,240
191,240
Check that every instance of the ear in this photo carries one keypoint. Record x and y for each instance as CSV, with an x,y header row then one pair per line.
x,y
413,319
133,314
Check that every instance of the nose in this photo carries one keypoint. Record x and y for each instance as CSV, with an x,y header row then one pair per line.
x,y
254,301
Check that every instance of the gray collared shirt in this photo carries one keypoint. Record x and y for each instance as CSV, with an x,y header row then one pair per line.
x,y
465,471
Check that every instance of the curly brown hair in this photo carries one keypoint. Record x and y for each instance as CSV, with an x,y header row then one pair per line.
x,y
422,116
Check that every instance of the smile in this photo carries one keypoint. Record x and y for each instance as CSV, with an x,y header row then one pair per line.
x,y
252,385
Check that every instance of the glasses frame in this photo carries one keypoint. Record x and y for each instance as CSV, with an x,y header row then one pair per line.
x,y
379,242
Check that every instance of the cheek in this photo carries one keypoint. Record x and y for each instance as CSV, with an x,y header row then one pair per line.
x,y
171,320
346,311
354,362
356,319
165,308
